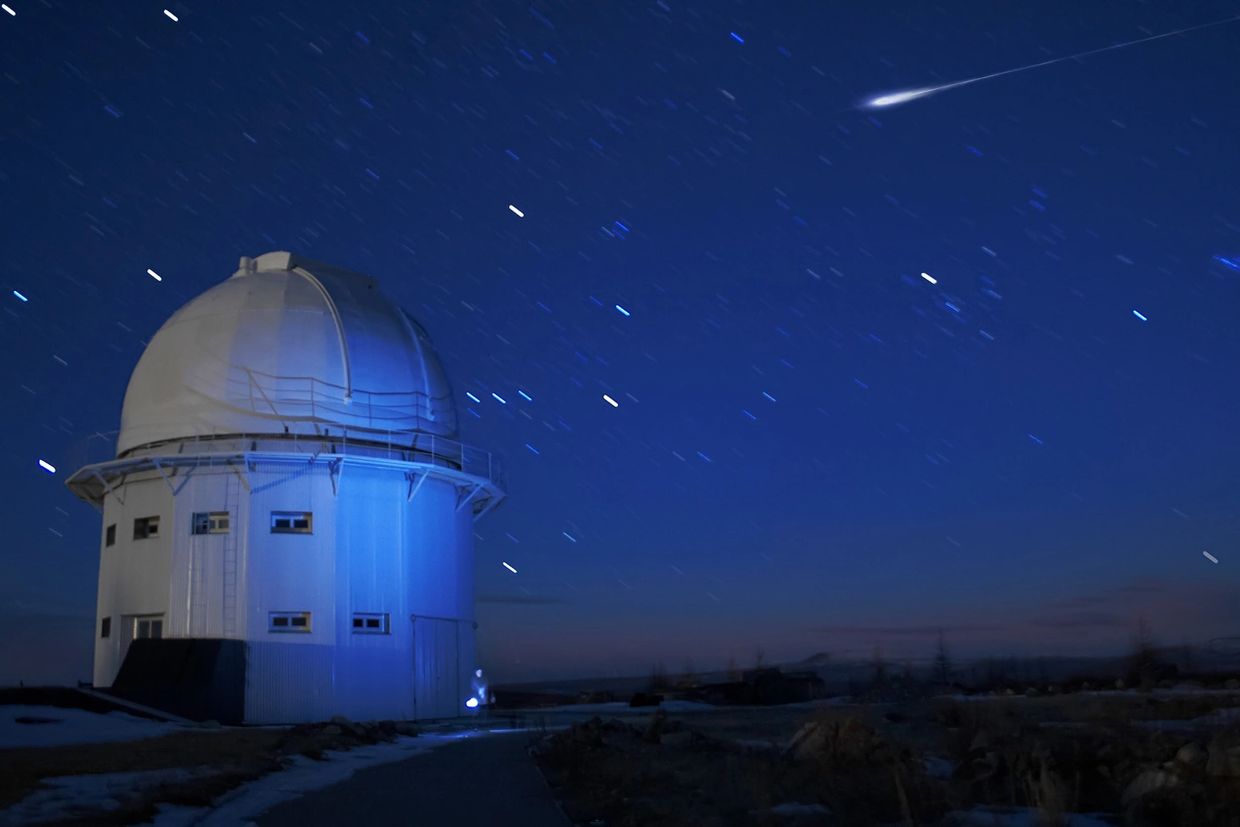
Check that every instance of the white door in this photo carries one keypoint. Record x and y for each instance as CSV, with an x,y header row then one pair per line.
x,y
436,668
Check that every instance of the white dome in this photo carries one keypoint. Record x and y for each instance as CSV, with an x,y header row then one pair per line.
x,y
287,345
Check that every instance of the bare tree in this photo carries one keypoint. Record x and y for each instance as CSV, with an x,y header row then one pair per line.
x,y
942,662
1143,662
658,677
879,674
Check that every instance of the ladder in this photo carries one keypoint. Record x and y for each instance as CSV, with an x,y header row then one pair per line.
x,y
231,492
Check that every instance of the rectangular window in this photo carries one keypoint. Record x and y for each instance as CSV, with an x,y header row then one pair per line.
x,y
105,627
148,627
109,536
145,527
209,522
370,623
292,522
288,622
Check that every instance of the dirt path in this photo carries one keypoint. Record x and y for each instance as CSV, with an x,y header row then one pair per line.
x,y
483,779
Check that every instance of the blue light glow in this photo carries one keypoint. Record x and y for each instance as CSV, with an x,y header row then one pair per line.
x,y
20,296
472,703
1140,315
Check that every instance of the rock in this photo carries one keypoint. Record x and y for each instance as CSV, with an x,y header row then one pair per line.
x,y
980,742
340,720
1232,683
1148,782
332,729
1119,683
1191,755
406,728
1223,761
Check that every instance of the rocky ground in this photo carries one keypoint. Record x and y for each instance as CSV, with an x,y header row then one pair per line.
x,y
1158,758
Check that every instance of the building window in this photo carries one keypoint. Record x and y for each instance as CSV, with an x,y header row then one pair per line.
x,y
369,623
148,627
288,622
105,627
145,527
209,522
109,536
292,522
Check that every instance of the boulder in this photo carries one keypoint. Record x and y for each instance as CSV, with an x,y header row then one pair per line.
x,y
1147,782
1191,756
332,729
1224,761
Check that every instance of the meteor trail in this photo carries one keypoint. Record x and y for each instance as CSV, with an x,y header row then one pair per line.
x,y
896,98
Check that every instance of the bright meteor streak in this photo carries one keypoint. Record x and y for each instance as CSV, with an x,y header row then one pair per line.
x,y
896,98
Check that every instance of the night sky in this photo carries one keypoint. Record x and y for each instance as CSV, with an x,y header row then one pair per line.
x,y
815,448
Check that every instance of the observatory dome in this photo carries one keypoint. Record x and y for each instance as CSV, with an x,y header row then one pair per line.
x,y
287,346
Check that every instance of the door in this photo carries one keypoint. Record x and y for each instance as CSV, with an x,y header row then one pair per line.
x,y
136,627
436,668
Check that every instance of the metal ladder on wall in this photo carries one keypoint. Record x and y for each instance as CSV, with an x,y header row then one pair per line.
x,y
232,505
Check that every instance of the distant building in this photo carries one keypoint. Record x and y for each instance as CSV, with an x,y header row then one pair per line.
x,y
288,519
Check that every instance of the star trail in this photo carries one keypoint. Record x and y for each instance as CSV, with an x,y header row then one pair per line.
x,y
765,367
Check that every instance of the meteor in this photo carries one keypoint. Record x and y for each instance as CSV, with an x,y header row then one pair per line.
x,y
890,99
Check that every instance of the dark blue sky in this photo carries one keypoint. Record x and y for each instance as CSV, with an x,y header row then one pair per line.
x,y
1010,453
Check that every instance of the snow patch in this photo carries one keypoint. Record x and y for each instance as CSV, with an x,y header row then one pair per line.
x,y
53,726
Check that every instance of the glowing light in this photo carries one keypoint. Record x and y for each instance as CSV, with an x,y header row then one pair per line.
x,y
472,703
471,396
47,466
737,37
570,537
171,16
929,278
499,399
768,396
510,568
20,296
897,98
516,212
525,396
7,9
154,275
1210,557
907,95
1140,315
477,673
622,310
610,401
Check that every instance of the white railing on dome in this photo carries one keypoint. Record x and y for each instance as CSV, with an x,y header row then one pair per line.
x,y
309,398
395,445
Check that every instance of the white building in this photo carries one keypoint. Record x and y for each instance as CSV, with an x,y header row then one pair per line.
x,y
287,523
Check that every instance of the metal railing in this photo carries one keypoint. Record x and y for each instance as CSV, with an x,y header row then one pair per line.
x,y
398,445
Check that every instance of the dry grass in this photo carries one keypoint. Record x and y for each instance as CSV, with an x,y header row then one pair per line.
x,y
1057,755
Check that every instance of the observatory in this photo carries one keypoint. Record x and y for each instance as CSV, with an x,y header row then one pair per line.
x,y
287,520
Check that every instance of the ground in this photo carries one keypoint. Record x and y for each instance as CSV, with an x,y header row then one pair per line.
x,y
1160,758
1166,757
